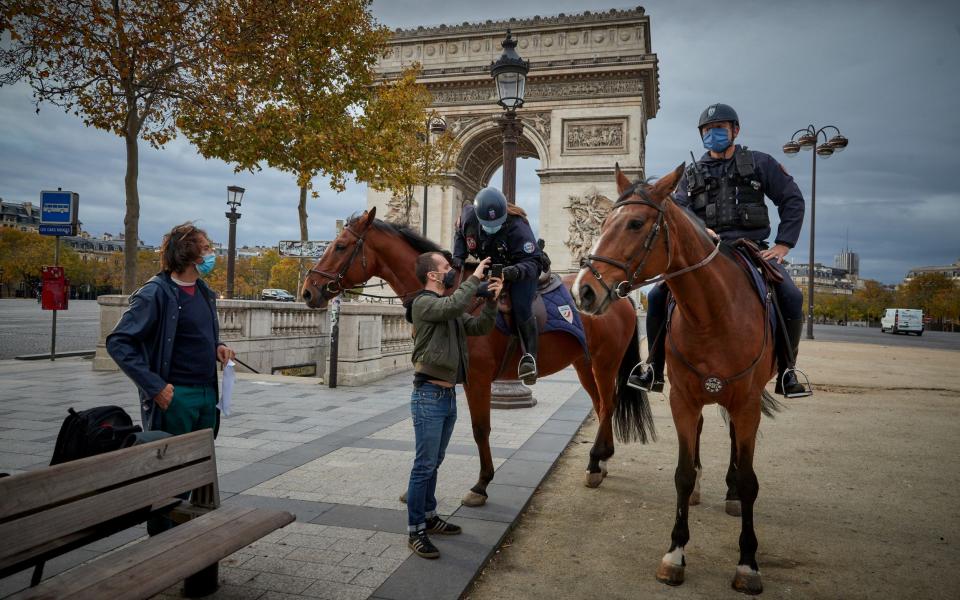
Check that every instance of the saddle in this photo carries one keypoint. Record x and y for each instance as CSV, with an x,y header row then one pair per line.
x,y
749,249
547,283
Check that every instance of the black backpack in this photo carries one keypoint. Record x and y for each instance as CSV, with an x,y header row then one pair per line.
x,y
92,431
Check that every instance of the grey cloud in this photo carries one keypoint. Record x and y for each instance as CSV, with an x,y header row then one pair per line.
x,y
884,72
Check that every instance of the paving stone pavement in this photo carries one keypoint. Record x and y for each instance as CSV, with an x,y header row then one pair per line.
x,y
337,459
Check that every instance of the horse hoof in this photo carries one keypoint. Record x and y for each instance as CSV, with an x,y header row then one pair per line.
x,y
403,497
747,581
670,573
594,479
733,508
474,499
695,498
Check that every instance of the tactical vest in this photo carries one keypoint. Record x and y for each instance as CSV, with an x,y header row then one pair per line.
x,y
495,246
731,201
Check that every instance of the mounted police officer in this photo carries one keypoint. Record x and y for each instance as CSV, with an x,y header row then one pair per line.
x,y
488,229
725,189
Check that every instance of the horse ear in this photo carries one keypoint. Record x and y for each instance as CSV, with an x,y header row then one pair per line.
x,y
668,183
369,218
623,183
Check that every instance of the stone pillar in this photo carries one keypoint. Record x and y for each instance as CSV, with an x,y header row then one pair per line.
x,y
111,307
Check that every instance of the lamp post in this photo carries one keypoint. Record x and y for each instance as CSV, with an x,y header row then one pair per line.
x,y
437,126
808,139
1,282
234,197
510,74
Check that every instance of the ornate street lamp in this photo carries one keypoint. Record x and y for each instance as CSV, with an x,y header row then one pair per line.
x,y
807,140
435,126
234,198
510,74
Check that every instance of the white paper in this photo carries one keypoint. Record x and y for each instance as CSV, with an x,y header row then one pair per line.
x,y
226,388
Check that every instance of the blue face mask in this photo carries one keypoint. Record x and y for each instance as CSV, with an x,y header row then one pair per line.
x,y
206,266
491,230
717,139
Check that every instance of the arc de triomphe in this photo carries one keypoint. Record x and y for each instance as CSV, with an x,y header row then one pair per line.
x,y
593,84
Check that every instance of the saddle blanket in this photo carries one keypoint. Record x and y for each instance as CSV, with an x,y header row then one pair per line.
x,y
759,283
562,315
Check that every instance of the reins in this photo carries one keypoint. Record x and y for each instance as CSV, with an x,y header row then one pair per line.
x,y
623,288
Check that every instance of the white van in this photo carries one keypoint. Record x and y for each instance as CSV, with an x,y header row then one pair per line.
x,y
902,320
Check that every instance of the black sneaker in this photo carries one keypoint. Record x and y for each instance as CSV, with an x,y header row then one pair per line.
x,y
438,525
422,546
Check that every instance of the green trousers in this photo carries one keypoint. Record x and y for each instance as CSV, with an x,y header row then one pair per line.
x,y
194,407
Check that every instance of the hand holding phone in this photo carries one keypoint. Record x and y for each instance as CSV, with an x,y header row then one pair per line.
x,y
496,270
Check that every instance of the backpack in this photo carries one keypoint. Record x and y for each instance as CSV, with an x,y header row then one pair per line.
x,y
92,431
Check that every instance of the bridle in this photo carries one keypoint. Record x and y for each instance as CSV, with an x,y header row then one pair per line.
x,y
622,288
335,287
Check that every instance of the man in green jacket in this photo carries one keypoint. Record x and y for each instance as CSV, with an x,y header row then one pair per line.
x,y
440,329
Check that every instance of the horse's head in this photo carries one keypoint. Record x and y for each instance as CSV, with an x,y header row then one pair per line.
x,y
344,265
632,246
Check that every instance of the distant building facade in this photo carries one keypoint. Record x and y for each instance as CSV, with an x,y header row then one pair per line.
x,y
951,271
23,216
849,261
827,280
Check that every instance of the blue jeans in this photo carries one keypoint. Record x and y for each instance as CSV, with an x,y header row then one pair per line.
x,y
434,411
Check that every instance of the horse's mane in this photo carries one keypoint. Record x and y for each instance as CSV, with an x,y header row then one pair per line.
x,y
417,241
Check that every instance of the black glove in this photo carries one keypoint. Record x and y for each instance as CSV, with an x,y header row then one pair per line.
x,y
511,273
456,263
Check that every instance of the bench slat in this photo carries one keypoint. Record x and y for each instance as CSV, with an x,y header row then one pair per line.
x,y
23,536
33,490
152,566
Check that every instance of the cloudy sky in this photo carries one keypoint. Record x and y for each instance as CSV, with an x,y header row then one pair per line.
x,y
887,73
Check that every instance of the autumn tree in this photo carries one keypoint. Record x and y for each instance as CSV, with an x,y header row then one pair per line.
x,y
921,290
296,90
120,65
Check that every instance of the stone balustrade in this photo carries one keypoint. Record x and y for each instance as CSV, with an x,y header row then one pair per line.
x,y
291,339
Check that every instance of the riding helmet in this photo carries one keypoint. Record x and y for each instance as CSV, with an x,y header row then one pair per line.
x,y
491,207
718,113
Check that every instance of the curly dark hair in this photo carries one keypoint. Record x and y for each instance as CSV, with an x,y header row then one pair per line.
x,y
181,247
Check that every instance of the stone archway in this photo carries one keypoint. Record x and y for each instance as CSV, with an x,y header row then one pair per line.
x,y
593,84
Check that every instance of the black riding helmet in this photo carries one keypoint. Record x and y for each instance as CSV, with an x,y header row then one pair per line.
x,y
718,113
491,207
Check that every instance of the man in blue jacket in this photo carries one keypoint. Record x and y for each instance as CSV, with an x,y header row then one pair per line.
x,y
168,340
725,189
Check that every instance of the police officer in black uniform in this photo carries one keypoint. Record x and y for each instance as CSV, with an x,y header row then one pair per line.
x,y
725,189
486,229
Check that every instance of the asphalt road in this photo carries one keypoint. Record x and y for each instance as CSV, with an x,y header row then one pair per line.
x,y
25,328
934,340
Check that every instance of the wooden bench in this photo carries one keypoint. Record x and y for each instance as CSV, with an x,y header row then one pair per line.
x,y
48,512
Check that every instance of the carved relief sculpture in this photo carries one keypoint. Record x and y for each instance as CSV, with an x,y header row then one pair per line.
x,y
402,209
594,135
586,215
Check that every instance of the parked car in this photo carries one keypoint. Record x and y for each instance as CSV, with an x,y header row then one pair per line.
x,y
277,295
902,320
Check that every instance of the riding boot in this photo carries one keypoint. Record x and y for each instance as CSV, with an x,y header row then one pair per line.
x,y
787,382
529,339
650,379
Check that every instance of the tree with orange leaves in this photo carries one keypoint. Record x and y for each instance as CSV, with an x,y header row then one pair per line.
x,y
121,66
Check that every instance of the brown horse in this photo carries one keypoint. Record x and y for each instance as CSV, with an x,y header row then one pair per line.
x,y
720,343
368,247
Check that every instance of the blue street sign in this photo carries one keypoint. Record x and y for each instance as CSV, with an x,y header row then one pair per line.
x,y
58,208
56,229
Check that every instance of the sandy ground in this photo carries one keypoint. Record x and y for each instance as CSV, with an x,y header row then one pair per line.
x,y
857,497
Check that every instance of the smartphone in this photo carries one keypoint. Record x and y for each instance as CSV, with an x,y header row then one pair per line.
x,y
496,271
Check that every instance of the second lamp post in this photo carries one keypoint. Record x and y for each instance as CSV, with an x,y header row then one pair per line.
x,y
807,140
234,197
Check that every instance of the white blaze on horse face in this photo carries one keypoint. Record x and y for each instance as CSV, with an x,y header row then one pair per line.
x,y
674,557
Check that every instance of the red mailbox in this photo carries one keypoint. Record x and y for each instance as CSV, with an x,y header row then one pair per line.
x,y
56,288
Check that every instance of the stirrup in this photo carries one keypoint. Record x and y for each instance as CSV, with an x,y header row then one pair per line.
x,y
805,384
644,368
530,378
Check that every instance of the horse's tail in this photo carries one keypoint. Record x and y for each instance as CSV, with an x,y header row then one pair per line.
x,y
769,404
632,418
